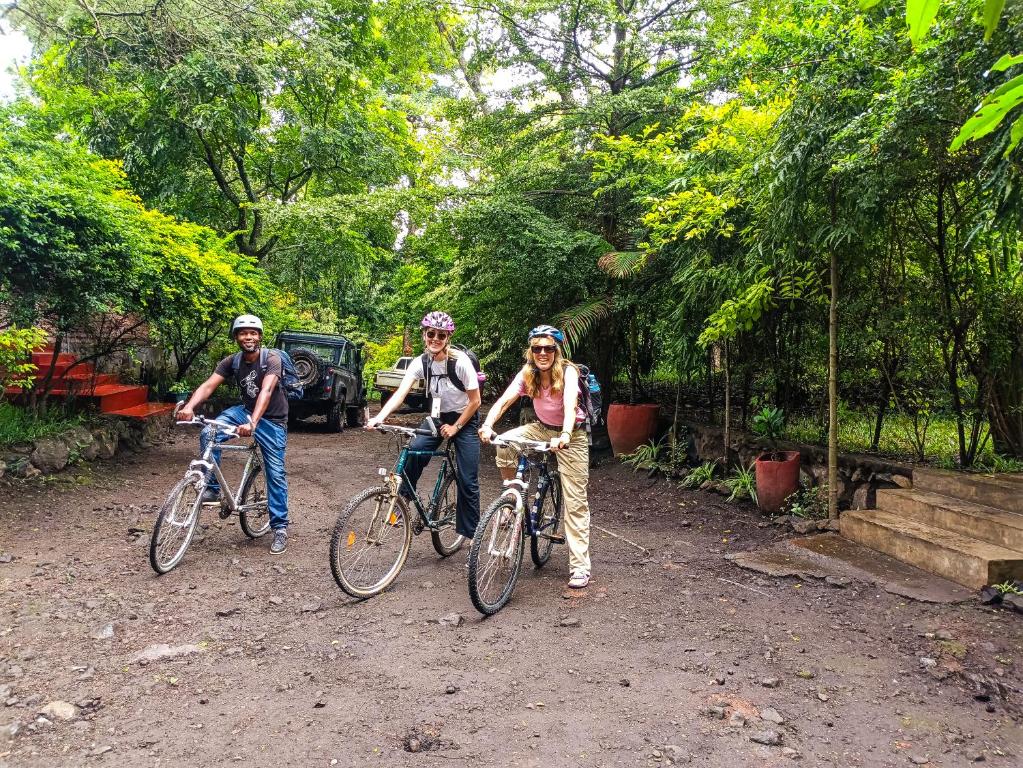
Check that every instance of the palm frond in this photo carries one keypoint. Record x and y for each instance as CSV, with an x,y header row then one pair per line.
x,y
577,321
623,264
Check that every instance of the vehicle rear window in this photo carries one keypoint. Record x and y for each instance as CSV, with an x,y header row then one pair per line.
x,y
322,351
402,363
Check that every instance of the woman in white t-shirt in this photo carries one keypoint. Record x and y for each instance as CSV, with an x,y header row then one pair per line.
x,y
454,397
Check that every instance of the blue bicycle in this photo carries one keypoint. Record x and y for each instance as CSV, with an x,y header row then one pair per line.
x,y
373,534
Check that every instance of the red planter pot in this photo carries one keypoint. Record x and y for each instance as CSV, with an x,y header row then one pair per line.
x,y
630,426
776,480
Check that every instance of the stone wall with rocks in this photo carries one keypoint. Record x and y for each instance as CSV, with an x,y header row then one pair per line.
x,y
859,476
101,439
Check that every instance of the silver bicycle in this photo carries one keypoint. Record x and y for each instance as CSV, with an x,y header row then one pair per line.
x,y
179,515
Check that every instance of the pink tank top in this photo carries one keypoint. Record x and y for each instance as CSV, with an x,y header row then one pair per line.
x,y
550,409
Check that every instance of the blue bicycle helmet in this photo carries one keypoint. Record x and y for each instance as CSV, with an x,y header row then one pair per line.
x,y
547,330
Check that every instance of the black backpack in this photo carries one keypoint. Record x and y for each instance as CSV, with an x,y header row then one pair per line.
x,y
451,368
293,390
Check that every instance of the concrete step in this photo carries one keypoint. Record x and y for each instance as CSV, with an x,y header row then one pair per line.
x,y
999,491
995,526
116,397
959,558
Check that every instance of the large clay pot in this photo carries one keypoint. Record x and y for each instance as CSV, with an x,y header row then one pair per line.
x,y
629,426
776,480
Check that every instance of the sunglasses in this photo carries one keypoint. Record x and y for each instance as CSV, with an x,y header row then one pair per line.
x,y
440,335
543,349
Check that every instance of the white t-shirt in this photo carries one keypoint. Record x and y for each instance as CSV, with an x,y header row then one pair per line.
x,y
451,398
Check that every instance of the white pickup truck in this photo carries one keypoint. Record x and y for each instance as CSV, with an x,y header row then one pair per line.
x,y
387,381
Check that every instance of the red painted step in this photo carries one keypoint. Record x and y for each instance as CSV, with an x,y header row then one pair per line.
x,y
144,411
43,358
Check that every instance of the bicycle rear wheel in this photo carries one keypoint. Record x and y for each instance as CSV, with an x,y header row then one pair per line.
x,y
446,540
548,520
495,557
371,541
175,525
255,521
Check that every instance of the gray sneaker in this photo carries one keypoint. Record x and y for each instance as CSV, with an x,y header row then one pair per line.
x,y
280,542
211,496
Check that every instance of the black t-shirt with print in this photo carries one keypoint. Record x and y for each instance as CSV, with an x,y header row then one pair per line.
x,y
250,380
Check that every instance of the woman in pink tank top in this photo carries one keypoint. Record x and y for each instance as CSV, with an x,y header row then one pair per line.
x,y
552,382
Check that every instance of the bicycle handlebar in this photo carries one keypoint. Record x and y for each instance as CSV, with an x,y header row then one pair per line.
x,y
202,421
408,431
521,444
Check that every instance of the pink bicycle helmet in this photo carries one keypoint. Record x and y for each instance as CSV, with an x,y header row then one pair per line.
x,y
440,320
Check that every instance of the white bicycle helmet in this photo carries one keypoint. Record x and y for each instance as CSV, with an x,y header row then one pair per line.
x,y
246,321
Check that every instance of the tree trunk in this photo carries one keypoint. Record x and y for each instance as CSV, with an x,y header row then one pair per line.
x,y
728,404
833,391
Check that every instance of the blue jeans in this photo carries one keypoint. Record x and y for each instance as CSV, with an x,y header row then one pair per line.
x,y
467,458
272,440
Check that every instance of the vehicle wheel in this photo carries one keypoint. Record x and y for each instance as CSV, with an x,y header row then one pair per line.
x,y
495,557
354,416
308,366
370,543
446,540
336,417
175,525
548,521
384,397
255,521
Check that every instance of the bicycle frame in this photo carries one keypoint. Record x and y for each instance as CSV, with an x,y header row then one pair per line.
x,y
398,476
204,468
515,490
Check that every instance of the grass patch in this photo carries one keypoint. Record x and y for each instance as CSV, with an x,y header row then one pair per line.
x,y
18,425
855,430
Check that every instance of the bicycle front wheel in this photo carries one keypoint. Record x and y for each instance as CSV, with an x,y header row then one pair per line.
x,y
548,520
175,525
495,557
255,515
446,540
371,541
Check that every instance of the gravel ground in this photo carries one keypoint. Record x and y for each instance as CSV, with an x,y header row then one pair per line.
x,y
671,656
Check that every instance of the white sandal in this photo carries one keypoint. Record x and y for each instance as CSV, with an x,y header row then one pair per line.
x,y
579,580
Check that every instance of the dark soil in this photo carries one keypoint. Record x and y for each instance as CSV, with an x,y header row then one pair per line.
x,y
671,661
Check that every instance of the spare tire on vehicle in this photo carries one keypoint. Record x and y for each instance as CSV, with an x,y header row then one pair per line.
x,y
308,366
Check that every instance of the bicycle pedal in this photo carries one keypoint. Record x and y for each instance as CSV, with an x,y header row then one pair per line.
x,y
552,537
224,513
417,527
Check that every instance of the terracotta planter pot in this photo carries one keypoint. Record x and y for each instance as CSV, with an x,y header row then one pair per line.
x,y
776,480
629,426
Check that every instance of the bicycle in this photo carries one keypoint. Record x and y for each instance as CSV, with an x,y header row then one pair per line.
x,y
373,535
179,515
495,555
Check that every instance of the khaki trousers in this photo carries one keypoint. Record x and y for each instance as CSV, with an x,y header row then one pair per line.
x,y
574,468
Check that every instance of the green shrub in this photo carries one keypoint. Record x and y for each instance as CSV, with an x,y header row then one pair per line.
x,y
743,484
646,456
699,475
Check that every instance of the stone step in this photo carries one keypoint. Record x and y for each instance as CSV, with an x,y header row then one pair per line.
x,y
958,558
995,526
999,491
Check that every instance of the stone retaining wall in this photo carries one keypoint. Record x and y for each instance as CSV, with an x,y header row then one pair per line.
x,y
859,476
101,439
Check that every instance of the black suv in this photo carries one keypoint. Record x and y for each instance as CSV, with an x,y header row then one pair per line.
x,y
329,368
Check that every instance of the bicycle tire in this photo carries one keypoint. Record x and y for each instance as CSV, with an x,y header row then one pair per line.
x,y
550,509
443,542
481,577
344,539
255,522
166,523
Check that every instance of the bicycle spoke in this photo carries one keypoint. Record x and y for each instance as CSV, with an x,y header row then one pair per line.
x,y
370,543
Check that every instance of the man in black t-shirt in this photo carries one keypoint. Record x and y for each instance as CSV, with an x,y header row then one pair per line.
x,y
263,414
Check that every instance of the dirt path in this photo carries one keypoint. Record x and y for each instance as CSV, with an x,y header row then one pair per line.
x,y
677,655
